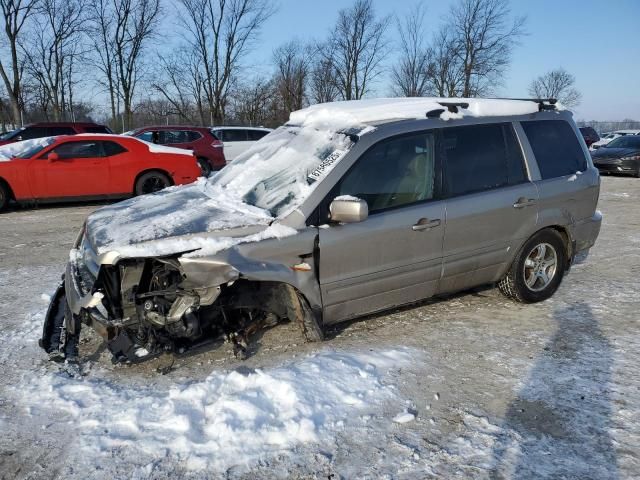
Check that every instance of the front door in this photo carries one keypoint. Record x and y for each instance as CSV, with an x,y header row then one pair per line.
x,y
81,170
491,205
394,257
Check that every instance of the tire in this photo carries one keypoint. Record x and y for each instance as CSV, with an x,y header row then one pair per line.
x,y
205,166
151,182
537,270
4,196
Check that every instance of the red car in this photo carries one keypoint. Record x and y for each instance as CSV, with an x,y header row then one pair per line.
x,y
90,167
206,147
51,129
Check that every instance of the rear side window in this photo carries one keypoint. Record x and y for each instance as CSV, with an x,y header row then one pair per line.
x,y
112,148
481,157
556,148
33,132
256,134
53,131
97,129
234,135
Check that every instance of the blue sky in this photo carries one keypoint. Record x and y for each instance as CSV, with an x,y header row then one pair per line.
x,y
597,41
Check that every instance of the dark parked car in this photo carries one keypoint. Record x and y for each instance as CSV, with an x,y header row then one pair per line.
x,y
206,147
51,129
590,135
621,155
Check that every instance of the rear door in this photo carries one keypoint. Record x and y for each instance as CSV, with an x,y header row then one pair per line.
x,y
394,257
235,142
179,138
81,170
491,203
568,188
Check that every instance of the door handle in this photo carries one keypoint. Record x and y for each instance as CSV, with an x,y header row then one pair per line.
x,y
523,202
425,224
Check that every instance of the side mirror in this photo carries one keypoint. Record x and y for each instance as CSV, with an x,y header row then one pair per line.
x,y
19,138
347,209
53,157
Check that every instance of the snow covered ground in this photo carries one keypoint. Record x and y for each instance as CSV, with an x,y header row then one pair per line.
x,y
471,386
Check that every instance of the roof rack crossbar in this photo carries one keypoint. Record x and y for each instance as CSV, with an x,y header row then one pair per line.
x,y
543,103
453,106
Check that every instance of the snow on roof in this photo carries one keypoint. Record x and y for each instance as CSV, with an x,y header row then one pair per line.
x,y
358,112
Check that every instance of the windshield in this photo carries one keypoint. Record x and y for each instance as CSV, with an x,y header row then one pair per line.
x,y
627,141
10,135
280,171
25,149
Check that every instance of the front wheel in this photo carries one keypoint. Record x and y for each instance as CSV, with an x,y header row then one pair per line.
x,y
4,196
537,270
151,182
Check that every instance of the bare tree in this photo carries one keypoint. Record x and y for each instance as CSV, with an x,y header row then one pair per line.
x,y
410,75
445,76
293,66
255,103
558,84
121,31
485,37
221,33
50,52
356,49
323,82
181,84
16,13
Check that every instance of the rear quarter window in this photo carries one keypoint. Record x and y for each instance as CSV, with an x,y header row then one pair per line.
x,y
256,134
556,148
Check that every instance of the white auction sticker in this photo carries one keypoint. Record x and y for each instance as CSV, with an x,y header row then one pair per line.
x,y
325,166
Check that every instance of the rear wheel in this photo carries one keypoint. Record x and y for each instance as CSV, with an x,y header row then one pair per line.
x,y
4,196
537,270
151,182
205,166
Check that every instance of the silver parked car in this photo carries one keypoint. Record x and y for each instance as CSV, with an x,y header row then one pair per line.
x,y
350,208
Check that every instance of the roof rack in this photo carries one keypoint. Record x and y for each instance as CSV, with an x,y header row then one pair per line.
x,y
543,103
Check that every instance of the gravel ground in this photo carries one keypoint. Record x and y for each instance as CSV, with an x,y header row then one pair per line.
x,y
492,389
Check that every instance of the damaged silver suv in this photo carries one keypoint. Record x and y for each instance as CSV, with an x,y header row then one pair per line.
x,y
350,208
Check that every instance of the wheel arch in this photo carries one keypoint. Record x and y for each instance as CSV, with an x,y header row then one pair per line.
x,y
149,170
285,300
6,184
566,240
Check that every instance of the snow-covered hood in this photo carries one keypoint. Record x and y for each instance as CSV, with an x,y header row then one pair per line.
x,y
174,220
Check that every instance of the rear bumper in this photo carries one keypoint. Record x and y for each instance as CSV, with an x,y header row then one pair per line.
x,y
618,166
586,232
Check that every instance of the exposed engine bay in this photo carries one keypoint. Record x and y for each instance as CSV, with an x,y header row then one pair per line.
x,y
146,307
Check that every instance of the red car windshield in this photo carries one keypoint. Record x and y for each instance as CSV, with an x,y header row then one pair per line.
x,y
33,147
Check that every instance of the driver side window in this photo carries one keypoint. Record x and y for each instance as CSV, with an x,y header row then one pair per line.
x,y
395,172
91,149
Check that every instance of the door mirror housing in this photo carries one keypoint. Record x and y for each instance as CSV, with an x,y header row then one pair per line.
x,y
347,209
53,157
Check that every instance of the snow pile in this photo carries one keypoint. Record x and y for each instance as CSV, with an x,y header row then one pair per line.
x,y
7,152
352,113
229,419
